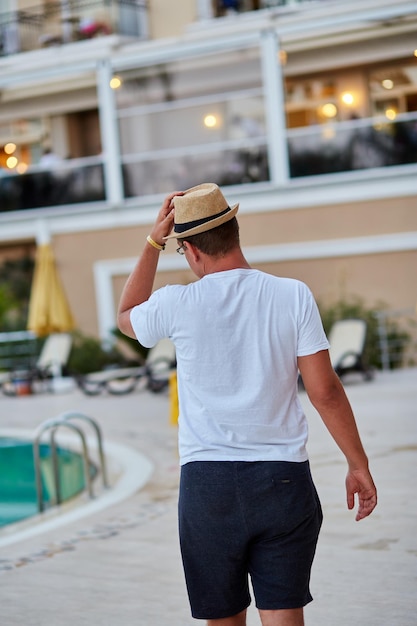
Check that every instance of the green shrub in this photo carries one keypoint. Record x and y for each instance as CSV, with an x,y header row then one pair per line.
x,y
133,345
15,281
88,355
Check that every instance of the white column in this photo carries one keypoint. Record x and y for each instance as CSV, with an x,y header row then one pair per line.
x,y
273,84
109,131
204,10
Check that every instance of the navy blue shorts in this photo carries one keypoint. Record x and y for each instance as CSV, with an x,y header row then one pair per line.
x,y
239,519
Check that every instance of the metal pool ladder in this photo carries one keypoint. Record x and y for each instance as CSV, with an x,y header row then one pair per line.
x,y
53,425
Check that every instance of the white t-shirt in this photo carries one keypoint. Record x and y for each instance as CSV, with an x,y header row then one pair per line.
x,y
237,336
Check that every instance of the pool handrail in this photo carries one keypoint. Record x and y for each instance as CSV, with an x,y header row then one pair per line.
x,y
55,463
53,425
76,414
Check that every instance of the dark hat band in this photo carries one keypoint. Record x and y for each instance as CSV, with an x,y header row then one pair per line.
x,y
181,228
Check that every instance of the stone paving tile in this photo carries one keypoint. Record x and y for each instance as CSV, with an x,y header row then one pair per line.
x,y
121,566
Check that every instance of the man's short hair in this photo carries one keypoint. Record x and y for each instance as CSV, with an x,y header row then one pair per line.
x,y
218,241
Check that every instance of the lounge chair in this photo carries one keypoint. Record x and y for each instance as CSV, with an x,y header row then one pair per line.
x,y
347,340
18,353
4,379
118,381
54,355
49,365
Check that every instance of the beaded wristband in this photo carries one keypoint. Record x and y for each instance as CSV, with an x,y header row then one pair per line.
x,y
155,245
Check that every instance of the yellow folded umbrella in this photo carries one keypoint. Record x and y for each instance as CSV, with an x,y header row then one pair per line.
x,y
49,311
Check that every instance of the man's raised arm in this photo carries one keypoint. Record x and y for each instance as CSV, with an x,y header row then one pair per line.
x,y
138,287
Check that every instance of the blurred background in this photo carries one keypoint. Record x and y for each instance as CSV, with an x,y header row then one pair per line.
x,y
305,112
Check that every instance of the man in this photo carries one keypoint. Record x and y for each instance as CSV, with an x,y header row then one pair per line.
x,y
247,503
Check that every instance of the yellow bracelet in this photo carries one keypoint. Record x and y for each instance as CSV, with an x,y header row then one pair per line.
x,y
155,245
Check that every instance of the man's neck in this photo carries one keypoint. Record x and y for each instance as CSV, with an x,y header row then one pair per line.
x,y
232,261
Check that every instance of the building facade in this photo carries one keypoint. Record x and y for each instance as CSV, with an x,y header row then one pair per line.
x,y
304,112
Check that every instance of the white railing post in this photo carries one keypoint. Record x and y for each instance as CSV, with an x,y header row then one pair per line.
x,y
273,84
113,180
205,10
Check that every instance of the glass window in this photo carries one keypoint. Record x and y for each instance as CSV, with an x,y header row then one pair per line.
x,y
310,102
393,90
37,164
183,122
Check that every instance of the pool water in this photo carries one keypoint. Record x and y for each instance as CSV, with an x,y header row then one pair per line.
x,y
18,498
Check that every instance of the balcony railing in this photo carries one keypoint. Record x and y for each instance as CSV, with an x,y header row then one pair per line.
x,y
64,21
326,149
353,145
226,163
230,7
74,181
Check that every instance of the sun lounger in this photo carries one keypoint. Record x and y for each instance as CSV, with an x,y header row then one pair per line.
x,y
49,366
347,340
118,381
54,355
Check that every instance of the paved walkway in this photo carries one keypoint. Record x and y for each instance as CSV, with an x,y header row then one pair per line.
x,y
120,566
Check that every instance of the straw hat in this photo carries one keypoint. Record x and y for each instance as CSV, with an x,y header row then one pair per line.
x,y
201,208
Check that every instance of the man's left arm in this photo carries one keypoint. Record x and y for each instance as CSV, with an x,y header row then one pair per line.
x,y
138,287
327,395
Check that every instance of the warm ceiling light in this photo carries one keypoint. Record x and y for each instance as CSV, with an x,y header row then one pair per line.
x,y
415,52
329,109
11,162
348,98
210,121
387,83
9,148
390,114
115,82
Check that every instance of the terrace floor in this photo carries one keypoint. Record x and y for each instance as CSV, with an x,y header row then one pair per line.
x,y
115,561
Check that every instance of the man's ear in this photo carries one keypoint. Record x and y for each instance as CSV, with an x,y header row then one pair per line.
x,y
193,251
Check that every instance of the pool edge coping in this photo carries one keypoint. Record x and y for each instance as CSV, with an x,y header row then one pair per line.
x,y
135,471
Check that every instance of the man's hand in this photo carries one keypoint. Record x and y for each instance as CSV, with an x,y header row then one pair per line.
x,y
138,287
165,219
360,482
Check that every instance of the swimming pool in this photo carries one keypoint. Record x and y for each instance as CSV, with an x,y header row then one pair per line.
x,y
18,497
